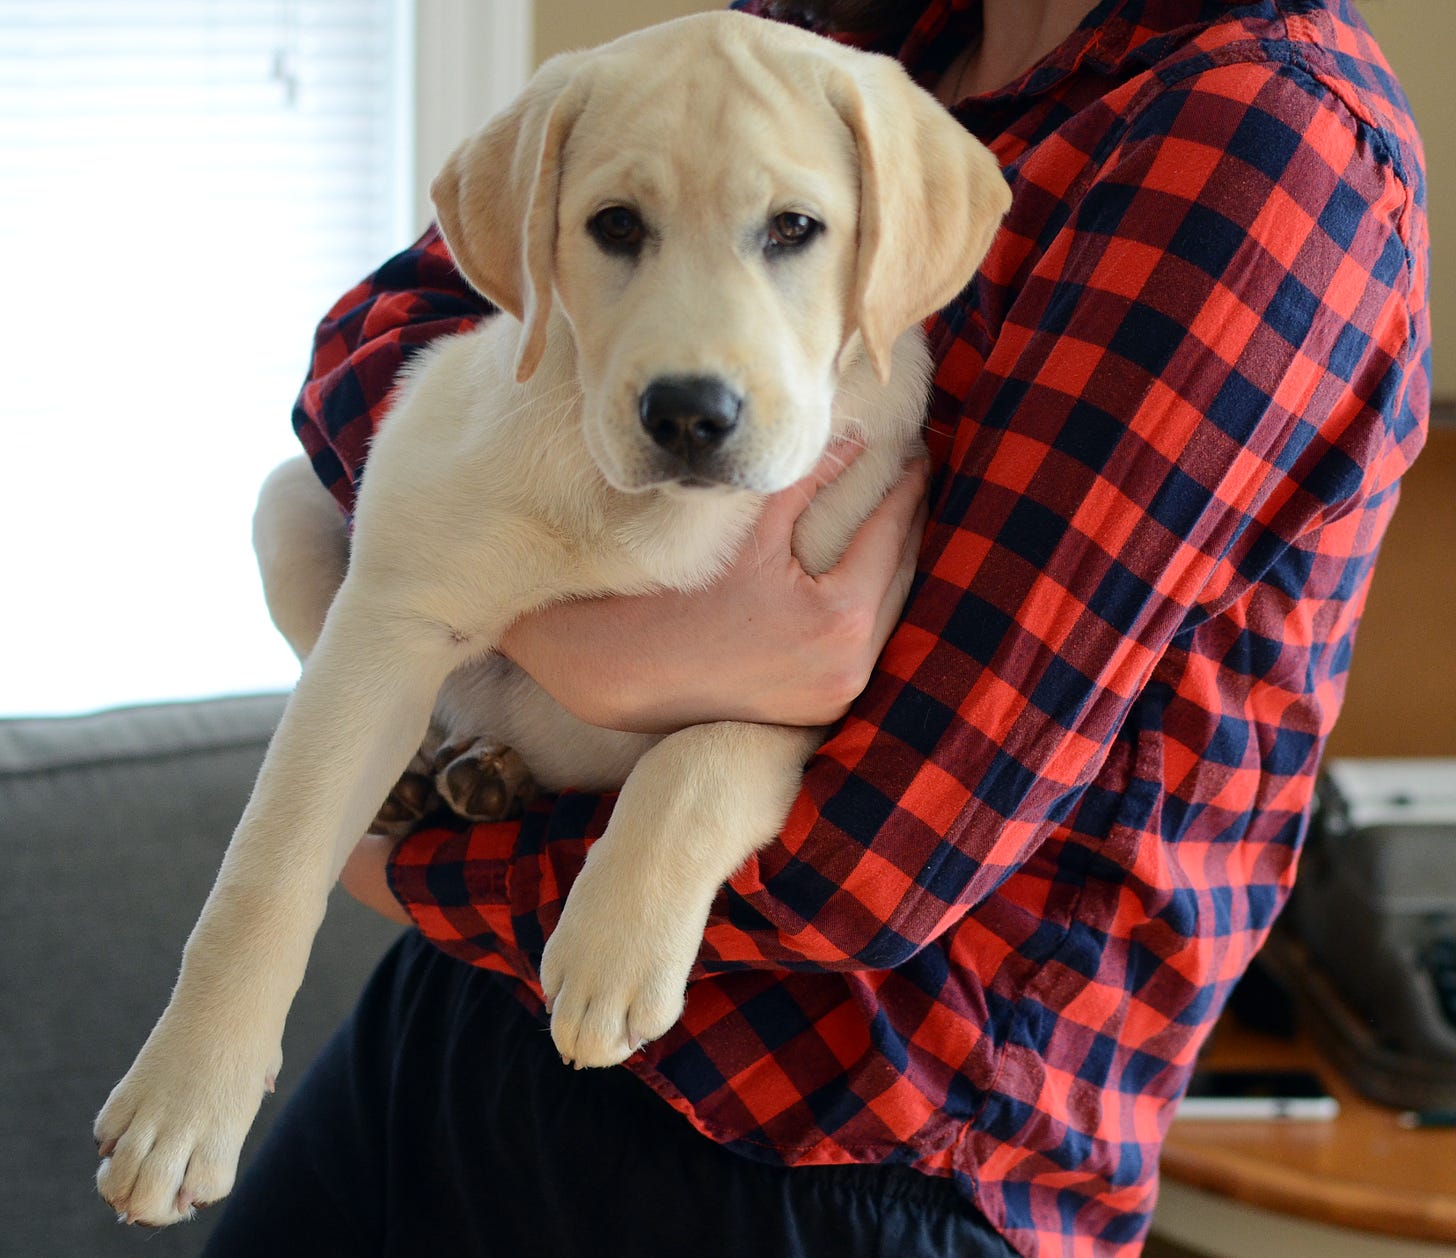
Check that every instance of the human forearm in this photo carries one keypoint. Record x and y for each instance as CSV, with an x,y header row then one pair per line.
x,y
365,876
767,642
638,663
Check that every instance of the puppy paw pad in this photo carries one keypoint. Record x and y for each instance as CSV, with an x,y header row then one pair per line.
x,y
483,781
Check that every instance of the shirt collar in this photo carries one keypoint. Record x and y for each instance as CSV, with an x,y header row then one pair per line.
x,y
1116,38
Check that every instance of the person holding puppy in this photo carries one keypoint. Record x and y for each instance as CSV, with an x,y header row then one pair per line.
x,y
951,1008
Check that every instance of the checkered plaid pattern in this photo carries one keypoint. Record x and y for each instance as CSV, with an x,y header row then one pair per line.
x,y
1169,418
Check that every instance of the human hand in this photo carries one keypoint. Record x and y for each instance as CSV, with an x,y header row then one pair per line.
x,y
766,642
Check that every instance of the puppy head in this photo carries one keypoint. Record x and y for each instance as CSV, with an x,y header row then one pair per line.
x,y
724,209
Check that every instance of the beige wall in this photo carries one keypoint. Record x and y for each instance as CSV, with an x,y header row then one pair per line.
x,y
565,24
1417,35
1401,699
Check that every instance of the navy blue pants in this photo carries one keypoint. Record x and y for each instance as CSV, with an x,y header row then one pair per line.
x,y
440,1121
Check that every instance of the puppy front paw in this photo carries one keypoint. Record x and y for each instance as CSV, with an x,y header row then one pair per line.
x,y
613,980
170,1133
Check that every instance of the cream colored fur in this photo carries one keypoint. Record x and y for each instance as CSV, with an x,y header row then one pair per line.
x,y
514,471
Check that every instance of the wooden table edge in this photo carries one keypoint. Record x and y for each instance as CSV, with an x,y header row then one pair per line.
x,y
1320,1199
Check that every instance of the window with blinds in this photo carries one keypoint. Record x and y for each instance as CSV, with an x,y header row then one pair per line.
x,y
185,188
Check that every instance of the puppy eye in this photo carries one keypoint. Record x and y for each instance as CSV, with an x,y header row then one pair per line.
x,y
618,229
791,230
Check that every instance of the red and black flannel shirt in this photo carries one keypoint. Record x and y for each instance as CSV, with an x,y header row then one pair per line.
x,y
1168,420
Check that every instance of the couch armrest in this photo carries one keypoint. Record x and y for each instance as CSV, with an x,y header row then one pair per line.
x,y
112,826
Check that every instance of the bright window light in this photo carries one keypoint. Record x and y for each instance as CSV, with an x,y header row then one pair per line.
x,y
185,188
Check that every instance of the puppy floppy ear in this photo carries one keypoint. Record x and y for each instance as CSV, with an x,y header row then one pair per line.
x,y
931,199
495,200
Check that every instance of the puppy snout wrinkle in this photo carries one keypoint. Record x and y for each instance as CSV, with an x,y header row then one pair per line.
x,y
689,415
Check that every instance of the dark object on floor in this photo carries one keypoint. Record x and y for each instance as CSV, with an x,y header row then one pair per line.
x,y
1369,943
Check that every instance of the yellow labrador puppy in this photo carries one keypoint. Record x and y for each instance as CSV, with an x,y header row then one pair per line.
x,y
717,238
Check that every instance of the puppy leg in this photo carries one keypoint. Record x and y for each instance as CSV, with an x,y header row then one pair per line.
x,y
694,809
302,546
171,1130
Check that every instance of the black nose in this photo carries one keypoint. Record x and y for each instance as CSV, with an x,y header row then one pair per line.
x,y
689,415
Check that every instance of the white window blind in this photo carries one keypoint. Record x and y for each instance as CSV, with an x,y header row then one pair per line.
x,y
185,187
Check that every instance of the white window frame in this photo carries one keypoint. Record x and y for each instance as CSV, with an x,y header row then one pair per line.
x,y
464,60
454,63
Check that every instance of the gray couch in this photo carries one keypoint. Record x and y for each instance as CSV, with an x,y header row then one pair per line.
x,y
113,826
